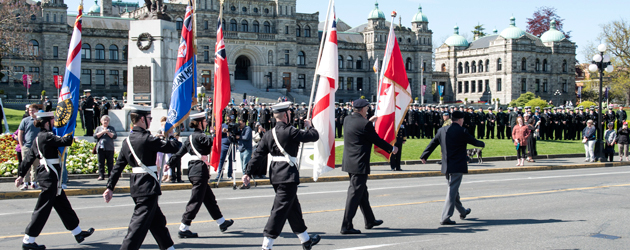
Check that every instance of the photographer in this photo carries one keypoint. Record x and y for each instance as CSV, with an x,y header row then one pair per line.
x,y
244,139
229,129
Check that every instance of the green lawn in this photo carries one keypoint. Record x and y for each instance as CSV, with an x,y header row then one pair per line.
x,y
15,116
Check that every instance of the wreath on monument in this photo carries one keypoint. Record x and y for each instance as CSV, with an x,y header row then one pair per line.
x,y
144,37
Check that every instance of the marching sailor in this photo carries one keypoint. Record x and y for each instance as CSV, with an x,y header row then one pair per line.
x,y
198,146
52,196
139,151
283,143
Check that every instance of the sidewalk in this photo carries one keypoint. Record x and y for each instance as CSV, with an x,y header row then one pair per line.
x,y
92,186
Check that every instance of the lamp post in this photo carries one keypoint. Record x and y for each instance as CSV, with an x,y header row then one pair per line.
x,y
557,94
600,63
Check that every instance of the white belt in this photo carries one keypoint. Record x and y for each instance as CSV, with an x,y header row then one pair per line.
x,y
89,110
49,161
140,170
283,159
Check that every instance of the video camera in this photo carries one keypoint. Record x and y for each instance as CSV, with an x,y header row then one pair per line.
x,y
233,130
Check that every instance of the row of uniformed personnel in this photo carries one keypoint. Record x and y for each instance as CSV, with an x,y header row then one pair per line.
x,y
263,114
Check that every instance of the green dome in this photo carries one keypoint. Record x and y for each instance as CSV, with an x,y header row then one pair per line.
x,y
456,40
376,13
95,8
512,32
553,34
419,17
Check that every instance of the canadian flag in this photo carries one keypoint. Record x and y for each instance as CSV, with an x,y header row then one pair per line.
x,y
324,111
394,96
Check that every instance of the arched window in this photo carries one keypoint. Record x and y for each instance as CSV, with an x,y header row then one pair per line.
x,y
424,66
256,27
487,65
466,68
460,69
307,31
480,66
270,57
113,52
33,48
244,26
99,52
298,31
537,65
340,62
301,60
408,64
443,68
179,22
524,64
244,9
359,63
545,66
499,65
267,27
86,52
350,62
564,66
473,67
233,25
408,40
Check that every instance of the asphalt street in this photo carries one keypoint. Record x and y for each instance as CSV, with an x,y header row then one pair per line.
x,y
560,209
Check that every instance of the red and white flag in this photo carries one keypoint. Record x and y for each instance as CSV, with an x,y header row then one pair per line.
x,y
395,94
221,92
324,109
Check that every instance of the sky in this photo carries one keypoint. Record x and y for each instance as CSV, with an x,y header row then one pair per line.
x,y
581,17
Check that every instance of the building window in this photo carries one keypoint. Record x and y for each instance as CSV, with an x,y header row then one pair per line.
x,y
286,30
267,27
33,70
179,23
244,9
256,27
360,83
244,26
301,81
113,77
488,86
19,69
33,48
307,31
56,71
206,53
537,85
100,77
113,52
466,87
350,63
55,52
340,62
86,77
205,25
564,66
233,8
47,18
480,86
487,65
460,69
255,10
565,86
523,85
408,64
340,82
537,65
459,87
99,52
270,57
349,82
545,66
233,25
297,31
499,65
286,57
424,66
480,66
301,58
125,77
473,67
61,18
359,64
266,11
124,53
524,64
499,84
545,85
466,68
473,88
85,51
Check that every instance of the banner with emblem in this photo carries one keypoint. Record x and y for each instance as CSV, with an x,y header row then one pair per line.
x,y
184,89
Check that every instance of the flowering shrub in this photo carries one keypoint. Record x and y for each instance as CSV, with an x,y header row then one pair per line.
x,y
7,148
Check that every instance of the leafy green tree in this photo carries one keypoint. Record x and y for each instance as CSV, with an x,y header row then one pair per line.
x,y
587,104
537,102
522,100
478,31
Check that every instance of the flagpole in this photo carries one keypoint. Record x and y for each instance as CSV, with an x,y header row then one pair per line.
x,y
319,57
378,86
421,80
385,58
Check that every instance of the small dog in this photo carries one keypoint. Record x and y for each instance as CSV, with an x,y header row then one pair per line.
x,y
475,151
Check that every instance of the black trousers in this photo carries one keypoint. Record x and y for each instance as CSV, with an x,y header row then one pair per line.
x,y
177,170
89,123
549,132
286,206
508,132
472,129
481,131
428,131
490,132
609,152
501,132
48,200
412,130
394,159
266,126
435,129
521,152
147,215
357,197
339,128
201,194
558,132
102,157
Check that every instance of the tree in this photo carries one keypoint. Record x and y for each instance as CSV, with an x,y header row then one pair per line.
x,y
522,100
537,102
478,31
15,17
540,22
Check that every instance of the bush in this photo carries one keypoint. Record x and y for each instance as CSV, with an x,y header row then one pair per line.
x,y
522,100
537,102
587,104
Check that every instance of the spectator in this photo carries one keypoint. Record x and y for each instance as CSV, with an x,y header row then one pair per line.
x,y
257,136
623,139
610,137
27,132
532,125
105,136
589,140
520,134
244,140
2,119
18,149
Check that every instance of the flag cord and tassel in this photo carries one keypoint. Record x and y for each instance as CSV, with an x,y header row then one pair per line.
x,y
319,57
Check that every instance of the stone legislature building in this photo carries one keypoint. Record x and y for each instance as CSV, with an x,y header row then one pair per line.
x,y
272,47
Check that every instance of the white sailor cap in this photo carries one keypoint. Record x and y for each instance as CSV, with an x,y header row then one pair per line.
x,y
87,90
44,115
281,107
139,109
197,116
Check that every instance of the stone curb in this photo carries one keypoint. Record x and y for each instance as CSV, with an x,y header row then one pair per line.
x,y
182,186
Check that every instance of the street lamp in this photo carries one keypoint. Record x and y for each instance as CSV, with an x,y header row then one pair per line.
x,y
600,63
558,94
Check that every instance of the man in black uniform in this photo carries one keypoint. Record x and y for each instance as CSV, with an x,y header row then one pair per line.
x,y
283,143
88,113
301,114
481,124
437,117
81,113
45,148
97,112
337,120
253,116
491,121
420,122
105,107
199,147
342,117
371,111
428,122
265,117
139,151
47,105
572,125
243,113
394,159
473,120
622,116
559,124
359,137
502,119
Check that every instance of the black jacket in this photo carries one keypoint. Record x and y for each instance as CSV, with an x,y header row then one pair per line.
x,y
453,140
146,147
358,137
203,145
49,144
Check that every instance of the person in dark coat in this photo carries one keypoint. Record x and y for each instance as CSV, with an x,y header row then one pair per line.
x,y
511,122
88,113
622,116
46,147
401,138
491,121
139,151
453,140
47,105
359,136
283,143
253,116
481,124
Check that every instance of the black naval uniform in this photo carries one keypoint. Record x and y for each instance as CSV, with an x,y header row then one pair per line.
x,y
491,120
145,189
502,120
394,159
622,116
301,115
88,115
284,177
558,126
243,114
338,122
473,123
48,105
265,117
253,118
481,125
428,124
512,122
97,115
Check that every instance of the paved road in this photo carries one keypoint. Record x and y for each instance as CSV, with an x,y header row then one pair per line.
x,y
558,209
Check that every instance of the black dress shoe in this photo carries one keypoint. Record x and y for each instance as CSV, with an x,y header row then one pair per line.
x,y
83,234
448,222
374,224
225,225
314,239
350,231
187,234
463,216
32,246
399,169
